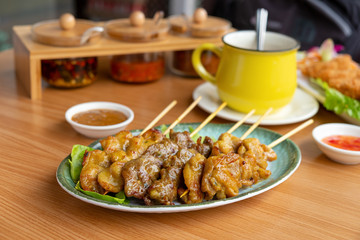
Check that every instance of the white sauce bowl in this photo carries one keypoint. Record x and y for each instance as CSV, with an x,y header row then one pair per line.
x,y
337,154
99,131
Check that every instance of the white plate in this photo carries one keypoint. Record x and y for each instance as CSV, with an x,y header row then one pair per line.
x,y
302,107
319,94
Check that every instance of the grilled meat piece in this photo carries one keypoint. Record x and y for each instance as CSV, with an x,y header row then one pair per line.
x,y
94,162
122,148
205,147
221,176
255,157
141,172
193,172
226,143
164,190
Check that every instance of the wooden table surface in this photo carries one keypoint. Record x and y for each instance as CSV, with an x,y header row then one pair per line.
x,y
321,200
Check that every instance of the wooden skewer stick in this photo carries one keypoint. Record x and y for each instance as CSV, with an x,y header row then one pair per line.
x,y
184,193
241,121
182,115
292,132
208,119
167,109
255,124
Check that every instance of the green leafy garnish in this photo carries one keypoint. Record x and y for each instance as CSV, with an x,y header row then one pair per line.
x,y
118,198
196,136
77,155
338,102
163,128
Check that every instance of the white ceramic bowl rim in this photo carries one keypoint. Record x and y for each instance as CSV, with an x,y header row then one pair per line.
x,y
99,105
328,129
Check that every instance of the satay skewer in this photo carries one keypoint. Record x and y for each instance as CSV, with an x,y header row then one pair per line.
x,y
208,119
290,133
233,128
166,110
252,128
182,115
276,142
238,124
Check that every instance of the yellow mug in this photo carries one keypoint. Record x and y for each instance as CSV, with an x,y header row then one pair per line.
x,y
252,79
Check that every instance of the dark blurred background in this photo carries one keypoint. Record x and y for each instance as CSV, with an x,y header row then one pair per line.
x,y
309,21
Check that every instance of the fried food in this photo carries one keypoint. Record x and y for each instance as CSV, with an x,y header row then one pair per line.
x,y
341,73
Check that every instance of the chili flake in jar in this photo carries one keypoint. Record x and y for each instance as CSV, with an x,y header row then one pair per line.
x,y
69,72
138,68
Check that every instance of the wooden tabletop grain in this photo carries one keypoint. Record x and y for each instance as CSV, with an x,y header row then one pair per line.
x,y
321,200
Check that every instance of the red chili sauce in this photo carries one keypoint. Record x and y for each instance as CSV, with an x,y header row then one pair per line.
x,y
343,142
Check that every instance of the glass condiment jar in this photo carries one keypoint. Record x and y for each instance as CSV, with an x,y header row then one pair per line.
x,y
138,68
180,63
69,72
199,26
142,67
67,32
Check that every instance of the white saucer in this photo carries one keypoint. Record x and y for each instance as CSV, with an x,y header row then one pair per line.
x,y
302,107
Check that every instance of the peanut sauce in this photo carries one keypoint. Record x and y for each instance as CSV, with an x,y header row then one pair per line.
x,y
99,117
343,142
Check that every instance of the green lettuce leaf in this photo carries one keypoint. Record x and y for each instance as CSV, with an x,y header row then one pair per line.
x,y
77,155
197,135
118,198
337,102
163,128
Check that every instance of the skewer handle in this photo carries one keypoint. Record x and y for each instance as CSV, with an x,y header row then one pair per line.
x,y
255,124
208,119
241,121
182,115
167,109
184,193
292,132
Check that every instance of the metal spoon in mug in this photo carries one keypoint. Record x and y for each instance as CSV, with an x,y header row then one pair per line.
x,y
261,22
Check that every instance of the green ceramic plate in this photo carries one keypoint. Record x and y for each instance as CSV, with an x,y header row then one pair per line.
x,y
288,153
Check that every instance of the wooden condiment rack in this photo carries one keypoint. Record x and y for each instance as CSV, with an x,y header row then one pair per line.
x,y
28,54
